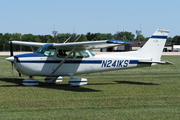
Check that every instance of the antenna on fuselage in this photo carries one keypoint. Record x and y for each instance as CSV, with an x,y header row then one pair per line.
x,y
54,32
138,32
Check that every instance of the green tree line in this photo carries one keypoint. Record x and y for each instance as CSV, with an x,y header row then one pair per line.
x,y
62,37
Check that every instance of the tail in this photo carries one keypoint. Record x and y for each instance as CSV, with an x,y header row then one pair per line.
x,y
154,46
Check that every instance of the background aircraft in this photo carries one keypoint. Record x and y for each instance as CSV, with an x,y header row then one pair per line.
x,y
68,59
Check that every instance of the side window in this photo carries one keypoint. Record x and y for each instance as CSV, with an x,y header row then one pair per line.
x,y
76,54
64,53
92,53
71,56
81,54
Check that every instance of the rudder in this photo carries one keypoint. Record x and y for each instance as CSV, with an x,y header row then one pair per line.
x,y
154,46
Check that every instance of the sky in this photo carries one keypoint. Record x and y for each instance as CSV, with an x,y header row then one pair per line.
x,y
41,17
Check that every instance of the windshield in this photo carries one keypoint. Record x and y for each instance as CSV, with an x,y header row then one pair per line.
x,y
47,50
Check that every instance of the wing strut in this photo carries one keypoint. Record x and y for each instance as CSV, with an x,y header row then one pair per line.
x,y
32,47
64,60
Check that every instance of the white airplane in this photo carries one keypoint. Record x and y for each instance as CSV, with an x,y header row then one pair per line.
x,y
68,59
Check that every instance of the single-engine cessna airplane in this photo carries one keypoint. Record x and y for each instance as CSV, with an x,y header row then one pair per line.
x,y
68,59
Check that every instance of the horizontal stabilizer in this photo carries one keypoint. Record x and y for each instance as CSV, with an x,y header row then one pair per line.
x,y
158,62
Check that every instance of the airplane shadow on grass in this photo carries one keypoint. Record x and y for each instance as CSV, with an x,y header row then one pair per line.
x,y
135,83
125,82
65,87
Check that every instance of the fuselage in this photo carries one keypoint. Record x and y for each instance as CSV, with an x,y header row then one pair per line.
x,y
38,64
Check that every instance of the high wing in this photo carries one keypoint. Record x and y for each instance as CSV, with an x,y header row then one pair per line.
x,y
33,44
91,45
78,45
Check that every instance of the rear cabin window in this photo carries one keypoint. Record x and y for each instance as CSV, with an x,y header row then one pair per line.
x,y
92,53
81,54
64,53
76,54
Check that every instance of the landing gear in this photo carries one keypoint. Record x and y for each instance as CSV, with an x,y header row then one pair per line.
x,y
73,81
30,82
53,79
77,81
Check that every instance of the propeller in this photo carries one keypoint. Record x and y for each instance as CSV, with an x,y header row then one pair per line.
x,y
11,54
11,48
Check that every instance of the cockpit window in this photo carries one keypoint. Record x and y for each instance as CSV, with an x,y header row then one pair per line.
x,y
47,50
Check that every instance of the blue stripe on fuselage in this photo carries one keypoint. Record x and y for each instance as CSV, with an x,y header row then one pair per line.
x,y
29,55
133,61
72,61
67,61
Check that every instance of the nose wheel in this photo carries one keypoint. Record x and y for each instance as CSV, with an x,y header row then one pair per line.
x,y
30,82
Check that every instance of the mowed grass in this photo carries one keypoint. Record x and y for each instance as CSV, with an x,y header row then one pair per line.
x,y
142,93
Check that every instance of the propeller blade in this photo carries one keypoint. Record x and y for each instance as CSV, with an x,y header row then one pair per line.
x,y
19,73
11,48
12,71
11,54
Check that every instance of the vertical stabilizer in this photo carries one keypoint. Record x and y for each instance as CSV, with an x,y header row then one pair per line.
x,y
154,46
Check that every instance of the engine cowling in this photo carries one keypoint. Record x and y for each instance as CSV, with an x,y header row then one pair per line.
x,y
78,81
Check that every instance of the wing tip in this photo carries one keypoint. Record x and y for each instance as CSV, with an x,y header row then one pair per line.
x,y
118,42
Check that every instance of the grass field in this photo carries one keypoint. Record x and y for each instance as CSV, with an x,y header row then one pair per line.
x,y
142,93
